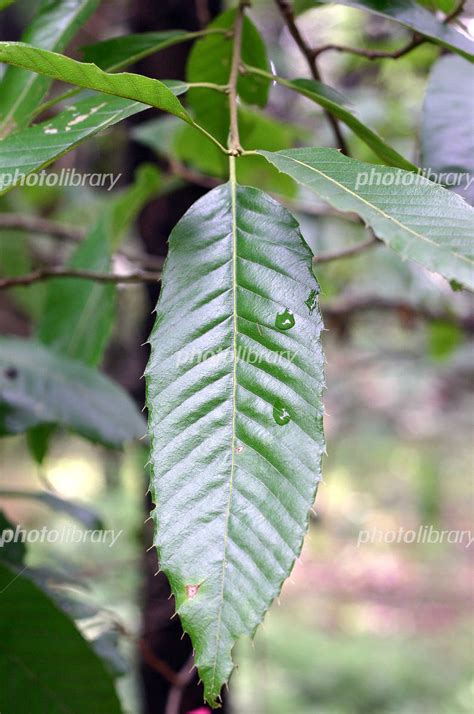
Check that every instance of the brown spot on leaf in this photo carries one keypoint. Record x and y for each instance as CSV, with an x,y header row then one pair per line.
x,y
192,591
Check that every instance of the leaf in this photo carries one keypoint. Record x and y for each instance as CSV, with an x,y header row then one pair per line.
x,y
129,86
210,61
37,386
234,387
78,316
120,51
38,146
38,439
53,27
412,16
447,139
29,666
5,3
317,93
77,511
420,220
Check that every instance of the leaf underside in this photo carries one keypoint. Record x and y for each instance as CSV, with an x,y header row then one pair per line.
x,y
234,398
418,219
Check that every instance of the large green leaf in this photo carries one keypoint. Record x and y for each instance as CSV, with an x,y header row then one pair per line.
x,y
447,136
45,664
120,51
38,386
319,94
129,86
52,29
417,218
410,14
210,61
78,316
38,146
234,388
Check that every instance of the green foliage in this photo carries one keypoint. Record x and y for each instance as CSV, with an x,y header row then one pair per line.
x,y
38,386
210,61
236,355
416,219
52,29
126,85
235,377
29,681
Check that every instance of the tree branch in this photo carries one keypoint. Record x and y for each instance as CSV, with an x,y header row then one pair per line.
x,y
45,226
345,308
347,252
183,678
286,11
415,41
235,148
43,274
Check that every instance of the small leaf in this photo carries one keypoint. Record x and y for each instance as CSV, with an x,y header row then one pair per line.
x,y
129,86
29,666
411,15
38,439
119,52
233,483
210,61
419,219
37,386
53,27
447,138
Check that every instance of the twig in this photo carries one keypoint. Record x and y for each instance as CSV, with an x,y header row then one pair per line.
x,y
45,226
288,15
50,273
184,677
415,41
235,148
346,252
345,308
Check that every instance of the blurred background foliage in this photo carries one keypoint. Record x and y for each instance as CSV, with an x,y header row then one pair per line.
x,y
375,629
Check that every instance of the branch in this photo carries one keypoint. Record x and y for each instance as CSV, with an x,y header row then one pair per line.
x,y
346,252
45,226
235,148
183,678
415,41
342,309
50,273
286,11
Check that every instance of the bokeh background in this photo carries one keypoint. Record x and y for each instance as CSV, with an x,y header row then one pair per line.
x,y
377,628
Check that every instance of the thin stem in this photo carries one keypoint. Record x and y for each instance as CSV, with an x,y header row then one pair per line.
x,y
286,11
183,678
347,252
43,274
210,136
234,139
